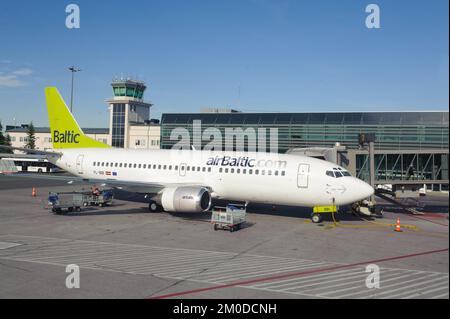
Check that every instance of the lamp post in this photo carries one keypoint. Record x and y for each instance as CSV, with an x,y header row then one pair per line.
x,y
73,70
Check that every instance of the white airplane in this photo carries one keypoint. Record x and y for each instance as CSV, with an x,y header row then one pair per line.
x,y
187,180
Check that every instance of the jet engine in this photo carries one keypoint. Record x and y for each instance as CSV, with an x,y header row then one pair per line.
x,y
186,199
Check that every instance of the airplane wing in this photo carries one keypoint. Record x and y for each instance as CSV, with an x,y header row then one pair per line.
x,y
30,151
135,187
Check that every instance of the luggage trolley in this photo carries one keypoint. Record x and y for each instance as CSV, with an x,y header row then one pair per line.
x,y
229,218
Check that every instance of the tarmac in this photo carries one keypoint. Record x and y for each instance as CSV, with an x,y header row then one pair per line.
x,y
124,251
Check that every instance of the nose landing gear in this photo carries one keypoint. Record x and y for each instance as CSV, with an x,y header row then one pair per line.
x,y
367,208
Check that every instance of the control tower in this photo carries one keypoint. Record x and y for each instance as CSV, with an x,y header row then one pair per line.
x,y
127,107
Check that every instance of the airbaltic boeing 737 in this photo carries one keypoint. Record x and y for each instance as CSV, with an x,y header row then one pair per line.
x,y
187,180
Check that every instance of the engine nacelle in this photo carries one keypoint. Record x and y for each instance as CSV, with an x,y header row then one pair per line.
x,y
186,199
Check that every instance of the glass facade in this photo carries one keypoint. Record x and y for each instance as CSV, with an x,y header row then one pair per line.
x,y
118,125
393,130
129,88
407,166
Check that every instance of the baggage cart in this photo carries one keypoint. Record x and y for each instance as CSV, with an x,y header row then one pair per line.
x,y
229,218
104,198
70,201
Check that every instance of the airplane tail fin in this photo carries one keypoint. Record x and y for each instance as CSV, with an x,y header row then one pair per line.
x,y
65,131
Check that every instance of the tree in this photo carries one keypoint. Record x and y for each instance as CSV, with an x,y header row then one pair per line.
x,y
7,143
4,140
31,143
2,137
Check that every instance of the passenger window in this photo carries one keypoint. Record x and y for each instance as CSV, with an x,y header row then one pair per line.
x,y
330,173
144,166
154,166
263,172
139,166
115,164
238,170
250,171
256,171
103,163
176,167
193,168
269,172
188,168
283,173
170,167
135,165
120,165
338,174
232,170
226,170
209,169
203,169
220,170
159,166
276,173
93,164
165,167
345,173
244,171
107,164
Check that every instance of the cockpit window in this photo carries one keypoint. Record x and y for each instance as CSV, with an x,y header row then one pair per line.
x,y
338,172
345,173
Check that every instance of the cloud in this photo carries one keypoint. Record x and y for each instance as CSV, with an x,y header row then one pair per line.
x,y
6,61
14,78
10,81
22,72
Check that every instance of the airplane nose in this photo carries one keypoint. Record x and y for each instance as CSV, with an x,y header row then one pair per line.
x,y
365,190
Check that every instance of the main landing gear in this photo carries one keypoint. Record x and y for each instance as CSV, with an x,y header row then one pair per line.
x,y
154,207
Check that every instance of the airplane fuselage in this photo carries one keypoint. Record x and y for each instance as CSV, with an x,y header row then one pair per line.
x,y
239,176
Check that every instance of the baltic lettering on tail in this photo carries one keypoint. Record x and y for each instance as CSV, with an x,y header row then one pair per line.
x,y
65,137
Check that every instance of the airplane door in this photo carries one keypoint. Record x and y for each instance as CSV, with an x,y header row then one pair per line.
x,y
79,164
182,170
303,175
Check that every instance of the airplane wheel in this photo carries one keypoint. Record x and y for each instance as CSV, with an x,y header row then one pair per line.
x,y
216,227
316,218
154,207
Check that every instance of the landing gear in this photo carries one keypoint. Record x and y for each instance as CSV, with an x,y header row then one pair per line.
x,y
154,207
316,218
367,208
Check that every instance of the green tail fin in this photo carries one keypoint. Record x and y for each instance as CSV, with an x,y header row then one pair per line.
x,y
64,129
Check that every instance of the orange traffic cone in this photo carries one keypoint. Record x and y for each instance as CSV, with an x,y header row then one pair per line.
x,y
33,192
397,226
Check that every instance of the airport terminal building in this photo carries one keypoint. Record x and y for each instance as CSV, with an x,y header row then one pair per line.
x,y
410,146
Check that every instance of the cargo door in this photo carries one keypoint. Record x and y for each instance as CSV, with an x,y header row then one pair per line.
x,y
303,175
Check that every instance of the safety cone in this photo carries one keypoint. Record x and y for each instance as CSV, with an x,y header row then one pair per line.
x,y
397,226
33,192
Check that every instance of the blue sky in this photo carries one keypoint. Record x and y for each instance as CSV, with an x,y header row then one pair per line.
x,y
292,56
